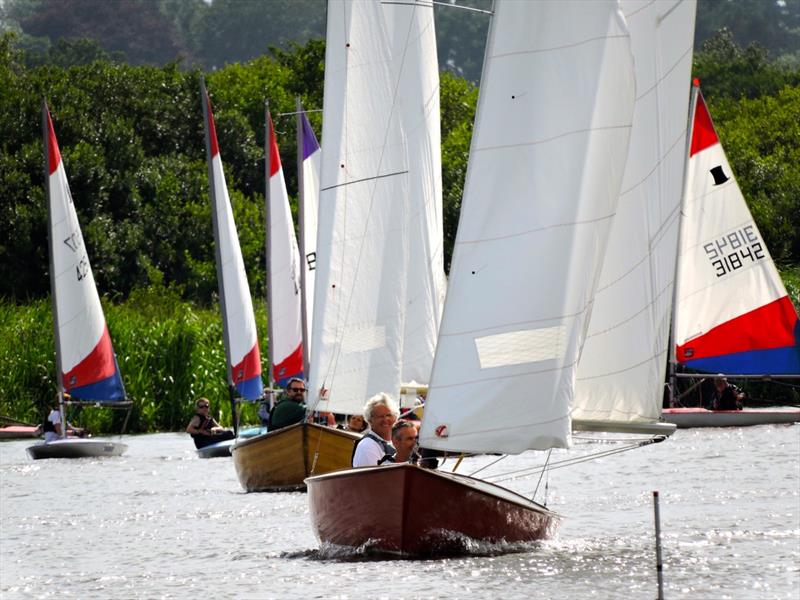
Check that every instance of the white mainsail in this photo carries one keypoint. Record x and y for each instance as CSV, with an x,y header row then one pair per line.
x,y
416,76
357,334
621,372
283,273
546,163
309,156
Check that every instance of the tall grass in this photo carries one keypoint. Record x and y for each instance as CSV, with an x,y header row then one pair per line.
x,y
169,352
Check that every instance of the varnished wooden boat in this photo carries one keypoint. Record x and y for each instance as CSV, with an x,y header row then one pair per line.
x,y
282,459
410,511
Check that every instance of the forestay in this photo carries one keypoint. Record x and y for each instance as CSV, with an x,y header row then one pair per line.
x,y
621,371
87,365
546,164
416,93
239,324
356,340
732,312
283,272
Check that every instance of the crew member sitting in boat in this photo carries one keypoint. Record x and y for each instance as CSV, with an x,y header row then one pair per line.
x,y
291,408
52,426
354,423
204,429
380,412
404,440
726,396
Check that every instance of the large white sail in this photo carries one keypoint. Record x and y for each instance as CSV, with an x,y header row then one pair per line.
x,y
416,75
546,164
283,273
622,368
239,324
356,340
87,366
732,312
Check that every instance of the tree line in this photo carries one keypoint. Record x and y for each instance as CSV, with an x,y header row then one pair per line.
x,y
131,137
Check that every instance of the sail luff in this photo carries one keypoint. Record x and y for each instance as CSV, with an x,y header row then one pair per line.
x,y
546,163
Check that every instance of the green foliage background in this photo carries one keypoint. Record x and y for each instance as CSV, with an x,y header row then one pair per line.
x,y
131,138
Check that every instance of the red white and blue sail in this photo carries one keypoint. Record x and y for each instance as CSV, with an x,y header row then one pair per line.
x,y
732,312
239,324
285,301
88,366
310,165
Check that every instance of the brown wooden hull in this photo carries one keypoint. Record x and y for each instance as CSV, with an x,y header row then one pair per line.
x,y
282,459
406,510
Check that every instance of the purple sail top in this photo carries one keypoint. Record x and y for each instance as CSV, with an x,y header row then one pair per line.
x,y
310,144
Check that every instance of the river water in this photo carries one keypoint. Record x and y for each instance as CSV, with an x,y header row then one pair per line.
x,y
161,523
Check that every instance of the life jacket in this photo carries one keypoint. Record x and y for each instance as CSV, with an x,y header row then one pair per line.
x,y
205,423
388,449
48,425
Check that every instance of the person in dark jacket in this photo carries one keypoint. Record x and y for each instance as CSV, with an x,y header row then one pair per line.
x,y
291,408
204,429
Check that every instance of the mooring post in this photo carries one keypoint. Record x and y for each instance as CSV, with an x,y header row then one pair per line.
x,y
659,564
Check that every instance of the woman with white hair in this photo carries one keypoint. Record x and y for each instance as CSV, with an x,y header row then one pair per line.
x,y
380,412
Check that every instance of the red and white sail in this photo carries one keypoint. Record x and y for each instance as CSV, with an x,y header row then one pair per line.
x,y
283,275
85,357
239,324
732,312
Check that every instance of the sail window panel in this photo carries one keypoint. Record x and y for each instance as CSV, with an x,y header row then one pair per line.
x,y
519,347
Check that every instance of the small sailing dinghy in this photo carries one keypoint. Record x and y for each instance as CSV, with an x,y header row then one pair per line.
x,y
549,149
86,365
733,315
280,460
242,354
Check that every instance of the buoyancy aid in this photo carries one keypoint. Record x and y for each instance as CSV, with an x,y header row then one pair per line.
x,y
388,449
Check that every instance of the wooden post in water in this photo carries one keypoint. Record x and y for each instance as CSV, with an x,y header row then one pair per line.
x,y
659,564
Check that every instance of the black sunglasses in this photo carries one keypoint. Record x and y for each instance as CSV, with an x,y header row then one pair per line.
x,y
297,389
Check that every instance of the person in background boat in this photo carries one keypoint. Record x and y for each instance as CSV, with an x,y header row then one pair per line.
x,y
404,440
355,423
291,408
264,409
726,396
322,418
52,426
380,412
204,429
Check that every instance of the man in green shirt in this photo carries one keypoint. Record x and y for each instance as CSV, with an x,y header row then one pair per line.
x,y
291,409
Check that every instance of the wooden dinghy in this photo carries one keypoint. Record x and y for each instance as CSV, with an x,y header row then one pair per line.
x,y
14,432
281,460
421,512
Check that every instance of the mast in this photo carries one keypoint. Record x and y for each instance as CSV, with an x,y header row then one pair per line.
x,y
220,281
268,237
689,132
56,335
301,203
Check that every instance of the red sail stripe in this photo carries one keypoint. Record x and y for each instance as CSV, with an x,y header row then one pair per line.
x,y
274,155
703,134
98,365
291,365
54,155
249,367
212,130
769,326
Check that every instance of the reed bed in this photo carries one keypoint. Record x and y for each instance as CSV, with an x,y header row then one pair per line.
x,y
170,352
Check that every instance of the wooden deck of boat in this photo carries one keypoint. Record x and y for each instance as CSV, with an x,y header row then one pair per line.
x,y
282,459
